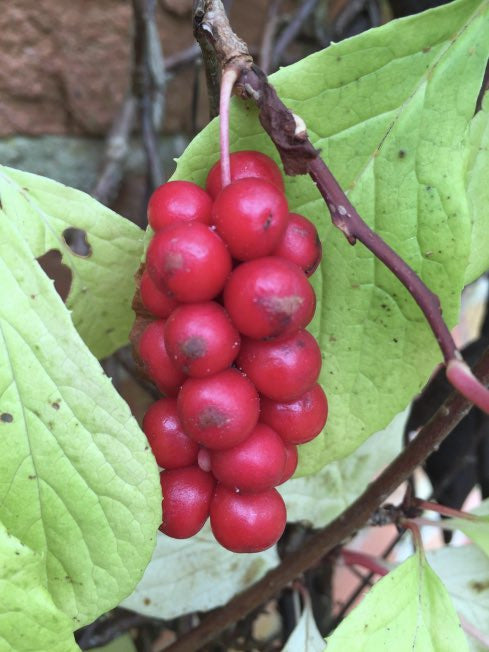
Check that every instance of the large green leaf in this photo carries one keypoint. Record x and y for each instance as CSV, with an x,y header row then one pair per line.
x,y
408,610
102,282
390,110
29,620
78,484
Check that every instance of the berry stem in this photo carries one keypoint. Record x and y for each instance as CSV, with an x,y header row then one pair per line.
x,y
445,511
371,563
229,77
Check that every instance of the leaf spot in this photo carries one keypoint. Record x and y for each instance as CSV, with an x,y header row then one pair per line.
x,y
5,417
76,239
52,265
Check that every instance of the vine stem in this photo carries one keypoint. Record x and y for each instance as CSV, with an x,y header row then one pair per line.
x,y
289,134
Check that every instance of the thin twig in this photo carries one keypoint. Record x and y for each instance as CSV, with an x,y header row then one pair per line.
x,y
293,28
344,526
271,23
116,150
146,85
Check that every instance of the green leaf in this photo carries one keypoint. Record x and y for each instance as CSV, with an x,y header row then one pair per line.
x,y
478,529
464,570
103,282
195,575
29,620
408,610
319,498
478,190
306,636
389,110
78,484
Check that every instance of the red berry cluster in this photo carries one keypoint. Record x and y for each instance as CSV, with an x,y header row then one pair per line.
x,y
226,279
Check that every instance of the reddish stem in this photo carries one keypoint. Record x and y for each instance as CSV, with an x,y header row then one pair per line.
x,y
229,77
371,563
446,511
410,524
462,378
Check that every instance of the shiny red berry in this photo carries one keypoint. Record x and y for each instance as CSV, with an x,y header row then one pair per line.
x,y
257,464
171,447
156,361
300,244
178,201
269,298
246,163
154,300
201,339
189,262
298,421
250,215
247,522
291,461
282,370
187,495
219,411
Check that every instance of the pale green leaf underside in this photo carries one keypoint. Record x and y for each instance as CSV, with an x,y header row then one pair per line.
x,y
195,575
77,483
29,620
464,571
408,610
319,498
102,283
306,636
390,110
477,530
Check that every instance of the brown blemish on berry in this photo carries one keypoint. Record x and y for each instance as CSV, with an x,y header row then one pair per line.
x,y
173,262
212,417
268,222
193,347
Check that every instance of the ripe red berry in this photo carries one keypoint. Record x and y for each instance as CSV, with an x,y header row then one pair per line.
x,y
250,215
247,522
300,244
245,164
219,411
291,461
257,464
269,297
187,495
282,370
189,262
201,339
298,421
156,361
170,445
154,300
178,201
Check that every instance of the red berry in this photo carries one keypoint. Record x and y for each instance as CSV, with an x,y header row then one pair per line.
x,y
269,297
298,421
187,495
201,339
282,370
154,300
204,459
244,522
257,464
250,215
178,201
156,361
170,445
219,411
291,461
189,262
245,164
300,244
